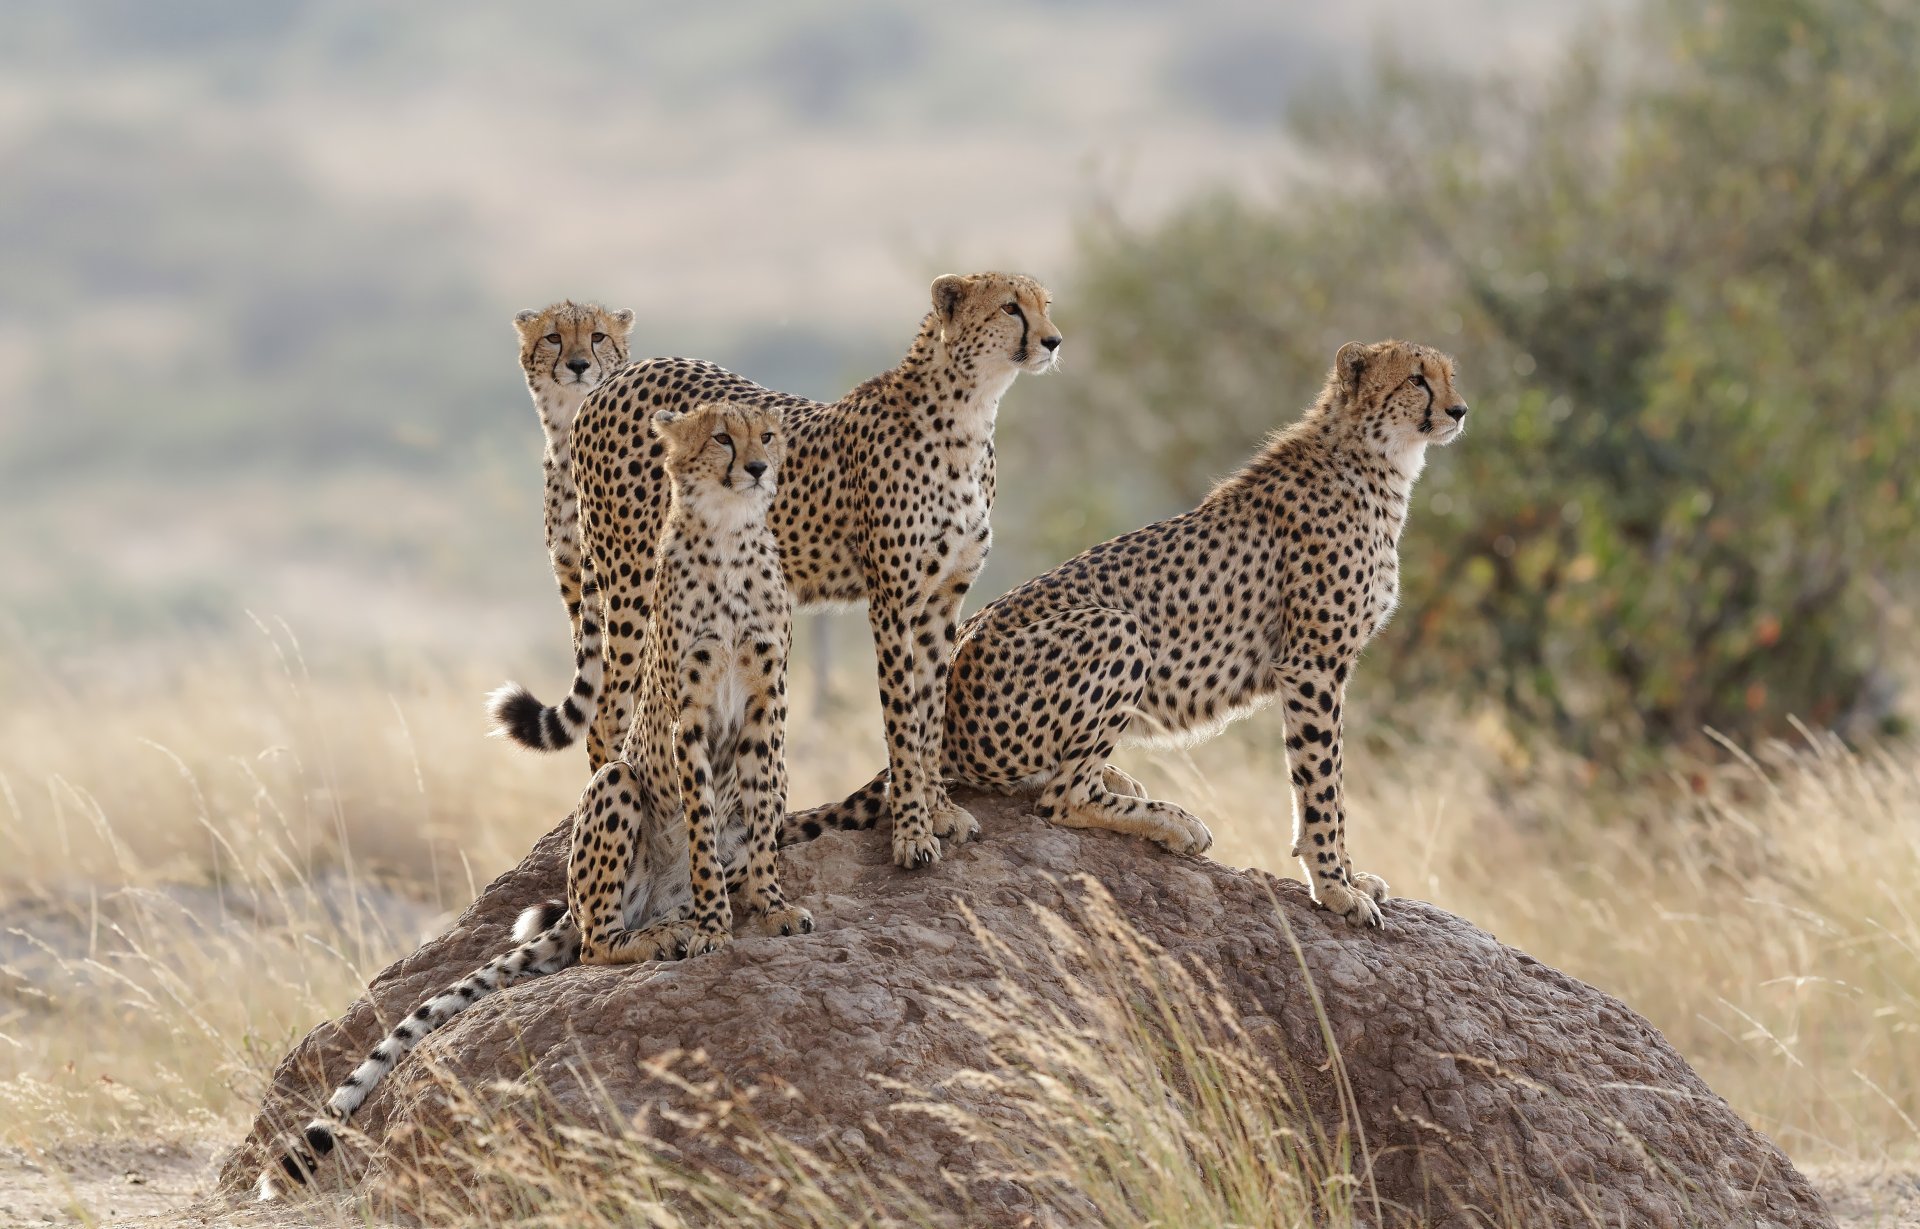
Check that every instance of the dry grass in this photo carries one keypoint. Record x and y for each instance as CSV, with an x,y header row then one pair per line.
x,y
237,846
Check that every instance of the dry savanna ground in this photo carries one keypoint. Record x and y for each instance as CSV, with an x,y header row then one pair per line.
x,y
198,866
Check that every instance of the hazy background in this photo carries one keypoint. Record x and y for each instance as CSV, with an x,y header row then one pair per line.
x,y
258,259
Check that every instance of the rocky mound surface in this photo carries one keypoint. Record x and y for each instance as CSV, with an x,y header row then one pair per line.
x,y
1479,1077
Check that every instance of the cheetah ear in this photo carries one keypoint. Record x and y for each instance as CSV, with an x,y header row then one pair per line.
x,y
622,321
948,289
662,419
523,322
1350,361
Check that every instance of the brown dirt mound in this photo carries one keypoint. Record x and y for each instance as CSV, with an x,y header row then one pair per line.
x,y
1480,1076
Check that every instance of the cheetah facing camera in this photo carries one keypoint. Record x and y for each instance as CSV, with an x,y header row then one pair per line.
x,y
661,836
885,497
566,349
1267,591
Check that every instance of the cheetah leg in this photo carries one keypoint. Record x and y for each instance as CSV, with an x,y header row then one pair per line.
x,y
607,831
712,912
563,530
1091,712
760,762
626,620
1314,700
935,644
914,843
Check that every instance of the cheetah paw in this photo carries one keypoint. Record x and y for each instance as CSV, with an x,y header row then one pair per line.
x,y
1357,903
1199,838
703,940
1183,833
786,920
953,821
1121,783
1372,885
915,846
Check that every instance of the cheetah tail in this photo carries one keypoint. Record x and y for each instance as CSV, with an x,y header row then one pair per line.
x,y
863,808
552,727
551,943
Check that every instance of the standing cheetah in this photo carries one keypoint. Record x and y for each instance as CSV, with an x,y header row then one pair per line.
x,y
566,349
1267,591
886,498
692,809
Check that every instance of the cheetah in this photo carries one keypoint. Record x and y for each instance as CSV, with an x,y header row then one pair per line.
x,y
1267,591
886,498
692,808
566,349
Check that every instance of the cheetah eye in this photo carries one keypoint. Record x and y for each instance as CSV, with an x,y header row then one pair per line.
x,y
553,339
766,437
1419,379
1012,309
721,437
598,338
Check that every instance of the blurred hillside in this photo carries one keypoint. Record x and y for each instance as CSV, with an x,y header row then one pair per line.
x,y
257,257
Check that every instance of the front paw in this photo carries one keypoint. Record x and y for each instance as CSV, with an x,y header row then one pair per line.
x,y
952,821
786,920
914,844
1183,832
1355,902
1372,885
704,940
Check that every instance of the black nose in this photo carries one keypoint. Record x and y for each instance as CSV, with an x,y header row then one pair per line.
x,y
1457,412
1051,343
577,365
756,468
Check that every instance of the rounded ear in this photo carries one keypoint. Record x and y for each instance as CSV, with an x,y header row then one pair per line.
x,y
523,321
948,289
622,321
666,418
1350,360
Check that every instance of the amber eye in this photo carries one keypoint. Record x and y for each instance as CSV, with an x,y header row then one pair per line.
x,y
1012,309
553,339
598,338
721,437
766,437
1419,379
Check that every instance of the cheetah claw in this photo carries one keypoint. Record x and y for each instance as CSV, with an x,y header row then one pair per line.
x,y
704,941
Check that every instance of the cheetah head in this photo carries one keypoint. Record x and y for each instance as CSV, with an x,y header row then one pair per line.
x,y
1399,394
998,320
572,343
724,454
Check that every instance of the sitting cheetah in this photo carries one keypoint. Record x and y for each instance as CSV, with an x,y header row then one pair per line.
x,y
566,349
692,809
886,498
1267,591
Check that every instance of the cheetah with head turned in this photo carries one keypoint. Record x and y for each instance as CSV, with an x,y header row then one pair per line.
x,y
1265,592
566,349
886,499
691,810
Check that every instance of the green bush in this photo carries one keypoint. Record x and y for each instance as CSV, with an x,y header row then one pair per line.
x,y
1683,283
